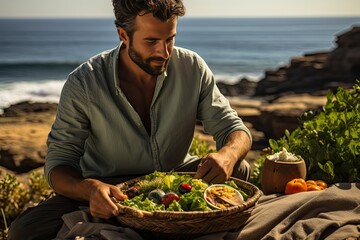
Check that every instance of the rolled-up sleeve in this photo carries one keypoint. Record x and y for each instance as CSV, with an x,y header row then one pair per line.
x,y
70,129
215,112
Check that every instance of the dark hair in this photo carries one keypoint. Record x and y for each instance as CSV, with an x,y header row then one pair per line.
x,y
126,11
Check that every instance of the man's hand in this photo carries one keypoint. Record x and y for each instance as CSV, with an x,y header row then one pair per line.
x,y
215,168
69,182
218,167
101,204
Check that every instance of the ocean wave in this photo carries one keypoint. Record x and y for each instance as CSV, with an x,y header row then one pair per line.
x,y
42,91
12,92
234,78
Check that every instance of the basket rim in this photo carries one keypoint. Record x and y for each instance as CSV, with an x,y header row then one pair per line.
x,y
137,213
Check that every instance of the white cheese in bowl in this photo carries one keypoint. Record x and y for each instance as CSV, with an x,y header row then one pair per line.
x,y
284,156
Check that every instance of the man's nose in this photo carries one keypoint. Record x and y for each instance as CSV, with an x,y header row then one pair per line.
x,y
163,50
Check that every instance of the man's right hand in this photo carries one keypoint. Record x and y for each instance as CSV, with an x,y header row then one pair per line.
x,y
69,182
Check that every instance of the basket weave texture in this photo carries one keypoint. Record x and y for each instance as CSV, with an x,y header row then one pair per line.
x,y
191,222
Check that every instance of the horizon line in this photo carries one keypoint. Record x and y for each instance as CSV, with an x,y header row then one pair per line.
x,y
183,17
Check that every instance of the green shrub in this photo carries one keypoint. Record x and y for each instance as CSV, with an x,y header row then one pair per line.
x,y
200,147
16,197
329,140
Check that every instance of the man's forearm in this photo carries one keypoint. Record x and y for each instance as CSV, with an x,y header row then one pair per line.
x,y
238,144
69,182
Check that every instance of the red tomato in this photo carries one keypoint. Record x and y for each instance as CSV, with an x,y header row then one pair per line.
x,y
295,186
168,198
185,188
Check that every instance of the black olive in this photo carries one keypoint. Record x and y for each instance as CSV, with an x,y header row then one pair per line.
x,y
133,191
156,195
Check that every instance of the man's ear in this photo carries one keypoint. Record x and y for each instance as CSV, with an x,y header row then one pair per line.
x,y
122,35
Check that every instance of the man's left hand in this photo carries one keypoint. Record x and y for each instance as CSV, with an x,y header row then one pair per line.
x,y
215,168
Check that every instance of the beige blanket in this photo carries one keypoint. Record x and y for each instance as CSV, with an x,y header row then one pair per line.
x,y
333,213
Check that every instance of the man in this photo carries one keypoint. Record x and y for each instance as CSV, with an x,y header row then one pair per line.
x,y
132,110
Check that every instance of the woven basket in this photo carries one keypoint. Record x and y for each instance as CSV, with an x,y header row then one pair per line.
x,y
191,222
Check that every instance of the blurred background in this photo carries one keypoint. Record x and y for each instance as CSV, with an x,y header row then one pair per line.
x,y
41,41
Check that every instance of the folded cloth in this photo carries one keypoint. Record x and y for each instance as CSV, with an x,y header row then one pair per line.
x,y
81,225
331,214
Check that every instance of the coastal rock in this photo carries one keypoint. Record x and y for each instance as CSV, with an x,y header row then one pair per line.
x,y
243,87
23,108
317,72
23,136
284,113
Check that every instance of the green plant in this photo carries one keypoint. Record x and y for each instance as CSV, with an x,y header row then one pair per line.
x,y
256,171
17,197
200,147
39,189
329,140
13,197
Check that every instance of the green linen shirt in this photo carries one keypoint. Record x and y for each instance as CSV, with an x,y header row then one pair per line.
x,y
97,131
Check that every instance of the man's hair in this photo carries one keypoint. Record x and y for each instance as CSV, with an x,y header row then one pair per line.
x,y
126,11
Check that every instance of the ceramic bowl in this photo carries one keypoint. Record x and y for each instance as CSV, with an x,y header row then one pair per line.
x,y
213,204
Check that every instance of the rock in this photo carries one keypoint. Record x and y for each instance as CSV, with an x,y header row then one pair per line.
x,y
23,137
317,72
243,87
283,113
25,107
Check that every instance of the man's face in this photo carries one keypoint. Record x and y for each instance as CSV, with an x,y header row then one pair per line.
x,y
151,45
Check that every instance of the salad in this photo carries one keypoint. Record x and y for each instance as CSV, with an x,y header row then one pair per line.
x,y
171,192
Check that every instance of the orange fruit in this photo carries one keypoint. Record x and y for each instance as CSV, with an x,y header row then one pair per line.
x,y
295,186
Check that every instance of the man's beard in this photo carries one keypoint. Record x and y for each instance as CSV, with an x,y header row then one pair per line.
x,y
144,64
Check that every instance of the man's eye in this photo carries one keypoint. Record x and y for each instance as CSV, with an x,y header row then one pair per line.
x,y
170,39
151,41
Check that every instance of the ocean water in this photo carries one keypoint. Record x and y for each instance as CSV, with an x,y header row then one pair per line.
x,y
36,55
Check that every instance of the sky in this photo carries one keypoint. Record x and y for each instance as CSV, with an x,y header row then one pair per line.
x,y
195,8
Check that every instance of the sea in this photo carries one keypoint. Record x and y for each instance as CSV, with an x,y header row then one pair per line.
x,y
36,55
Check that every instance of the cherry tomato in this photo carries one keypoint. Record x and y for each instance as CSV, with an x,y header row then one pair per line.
x,y
168,198
295,186
185,188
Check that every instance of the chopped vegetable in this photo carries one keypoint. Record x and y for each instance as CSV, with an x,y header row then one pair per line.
x,y
171,192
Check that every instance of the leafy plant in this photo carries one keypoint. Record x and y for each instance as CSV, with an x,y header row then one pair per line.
x,y
256,171
17,197
200,147
329,140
